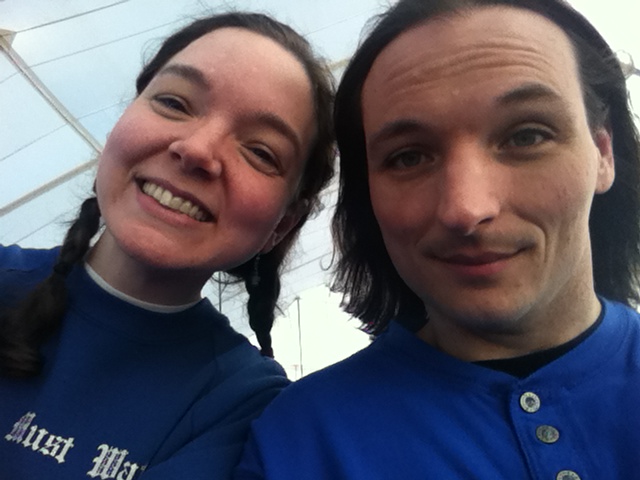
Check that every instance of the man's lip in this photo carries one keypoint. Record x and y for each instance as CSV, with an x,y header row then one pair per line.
x,y
481,258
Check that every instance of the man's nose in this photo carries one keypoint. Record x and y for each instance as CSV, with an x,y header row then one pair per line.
x,y
469,189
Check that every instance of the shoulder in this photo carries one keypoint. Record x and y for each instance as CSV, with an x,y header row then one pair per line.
x,y
394,360
225,384
240,377
21,269
338,385
313,412
618,336
208,439
16,258
234,355
620,314
384,359
249,370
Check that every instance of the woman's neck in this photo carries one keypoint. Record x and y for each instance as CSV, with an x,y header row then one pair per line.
x,y
142,281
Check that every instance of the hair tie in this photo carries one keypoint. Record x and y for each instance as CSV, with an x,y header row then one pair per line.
x,y
254,280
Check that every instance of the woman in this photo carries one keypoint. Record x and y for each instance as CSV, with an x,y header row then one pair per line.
x,y
114,366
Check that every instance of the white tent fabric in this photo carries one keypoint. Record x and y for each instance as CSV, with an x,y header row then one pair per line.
x,y
67,71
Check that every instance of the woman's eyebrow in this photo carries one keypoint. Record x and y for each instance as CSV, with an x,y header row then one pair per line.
x,y
189,73
278,124
195,76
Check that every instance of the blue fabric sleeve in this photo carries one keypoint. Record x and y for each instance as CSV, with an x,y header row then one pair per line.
x,y
214,454
21,270
250,467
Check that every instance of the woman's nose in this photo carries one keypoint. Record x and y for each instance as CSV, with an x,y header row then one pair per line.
x,y
200,151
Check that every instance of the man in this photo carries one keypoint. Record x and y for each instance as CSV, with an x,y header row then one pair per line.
x,y
483,236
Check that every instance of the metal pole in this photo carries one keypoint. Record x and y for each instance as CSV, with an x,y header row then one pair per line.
x,y
299,338
52,100
47,94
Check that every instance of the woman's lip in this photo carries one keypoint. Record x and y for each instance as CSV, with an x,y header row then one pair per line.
x,y
169,216
175,192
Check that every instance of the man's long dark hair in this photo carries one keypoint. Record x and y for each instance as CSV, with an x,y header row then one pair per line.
x,y
373,290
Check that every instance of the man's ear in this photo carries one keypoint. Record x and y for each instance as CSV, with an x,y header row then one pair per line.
x,y
290,219
606,166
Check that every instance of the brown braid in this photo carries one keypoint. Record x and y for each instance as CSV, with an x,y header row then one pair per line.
x,y
263,286
25,327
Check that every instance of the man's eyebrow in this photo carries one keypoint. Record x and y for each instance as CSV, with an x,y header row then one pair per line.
x,y
187,72
527,92
394,128
523,93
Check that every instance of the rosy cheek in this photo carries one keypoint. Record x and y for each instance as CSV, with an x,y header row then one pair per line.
x,y
124,132
113,163
131,132
251,207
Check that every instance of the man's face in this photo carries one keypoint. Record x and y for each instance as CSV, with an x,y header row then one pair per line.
x,y
482,170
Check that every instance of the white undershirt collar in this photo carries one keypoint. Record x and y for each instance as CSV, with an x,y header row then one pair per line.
x,y
153,307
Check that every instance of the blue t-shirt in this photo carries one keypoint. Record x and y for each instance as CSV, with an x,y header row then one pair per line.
x,y
127,393
401,409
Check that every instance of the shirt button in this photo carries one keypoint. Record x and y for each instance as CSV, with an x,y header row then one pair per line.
x,y
530,402
567,475
547,434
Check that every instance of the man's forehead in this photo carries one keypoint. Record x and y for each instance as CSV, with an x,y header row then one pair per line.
x,y
500,46
464,34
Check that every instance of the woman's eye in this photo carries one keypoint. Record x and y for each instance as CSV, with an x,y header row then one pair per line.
x,y
267,159
263,154
528,137
172,103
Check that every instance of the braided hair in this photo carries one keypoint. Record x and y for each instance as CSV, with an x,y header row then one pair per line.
x,y
25,327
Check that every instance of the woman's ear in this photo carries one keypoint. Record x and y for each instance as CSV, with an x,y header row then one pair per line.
x,y
290,219
606,165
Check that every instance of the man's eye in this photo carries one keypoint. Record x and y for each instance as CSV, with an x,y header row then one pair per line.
x,y
528,137
407,159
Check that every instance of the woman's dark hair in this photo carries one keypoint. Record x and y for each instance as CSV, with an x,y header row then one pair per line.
x,y
373,291
24,328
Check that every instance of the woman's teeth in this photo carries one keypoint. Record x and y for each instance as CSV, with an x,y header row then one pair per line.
x,y
167,199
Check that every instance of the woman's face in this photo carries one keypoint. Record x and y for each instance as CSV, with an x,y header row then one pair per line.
x,y
201,170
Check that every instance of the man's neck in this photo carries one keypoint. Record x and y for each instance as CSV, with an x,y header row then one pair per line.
x,y
476,340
